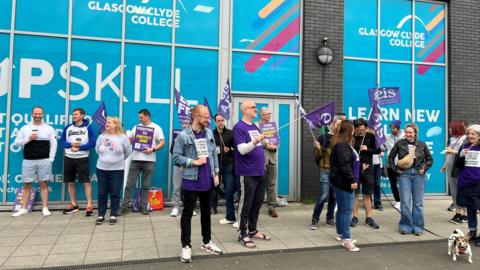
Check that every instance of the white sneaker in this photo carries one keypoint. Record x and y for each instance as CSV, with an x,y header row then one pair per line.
x,y
186,256
194,213
211,248
224,221
397,205
20,212
350,246
174,212
235,225
45,212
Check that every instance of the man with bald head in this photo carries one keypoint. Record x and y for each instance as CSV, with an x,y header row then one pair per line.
x,y
270,151
250,166
195,151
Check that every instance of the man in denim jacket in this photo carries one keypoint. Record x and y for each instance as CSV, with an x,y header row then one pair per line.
x,y
195,152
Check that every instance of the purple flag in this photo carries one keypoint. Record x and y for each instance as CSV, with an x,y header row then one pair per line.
x,y
205,103
183,109
322,116
225,105
375,123
384,95
302,112
100,116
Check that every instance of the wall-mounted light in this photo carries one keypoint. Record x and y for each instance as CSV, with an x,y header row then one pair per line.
x,y
324,54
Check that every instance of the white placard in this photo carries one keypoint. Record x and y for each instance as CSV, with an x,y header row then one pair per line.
x,y
253,134
472,159
202,148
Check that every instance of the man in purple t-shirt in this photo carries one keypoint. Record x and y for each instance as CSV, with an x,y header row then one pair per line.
x,y
250,166
195,151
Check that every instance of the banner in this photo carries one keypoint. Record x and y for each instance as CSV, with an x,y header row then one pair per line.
x,y
322,116
384,95
270,131
375,123
19,200
100,116
205,103
183,109
225,105
143,138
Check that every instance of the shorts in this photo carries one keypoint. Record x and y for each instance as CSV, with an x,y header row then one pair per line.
x,y
73,167
365,182
36,169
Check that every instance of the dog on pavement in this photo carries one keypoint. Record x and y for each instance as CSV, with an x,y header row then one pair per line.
x,y
458,244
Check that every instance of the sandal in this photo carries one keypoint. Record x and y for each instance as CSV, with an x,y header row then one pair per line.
x,y
246,241
259,235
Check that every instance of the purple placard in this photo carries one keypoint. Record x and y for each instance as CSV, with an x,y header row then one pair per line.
x,y
270,131
175,134
143,138
19,198
384,95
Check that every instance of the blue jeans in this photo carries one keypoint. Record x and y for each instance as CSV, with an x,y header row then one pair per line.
x,y
472,219
231,184
412,188
377,177
325,192
344,212
109,183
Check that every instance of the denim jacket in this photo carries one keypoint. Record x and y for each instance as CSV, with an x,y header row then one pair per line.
x,y
184,152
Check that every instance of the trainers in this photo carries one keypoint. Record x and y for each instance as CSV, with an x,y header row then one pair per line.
x,y
45,212
174,212
89,211
418,233
451,208
20,212
224,221
71,208
330,223
211,248
314,225
100,220
144,211
456,219
235,225
397,206
186,256
113,220
371,223
464,219
379,208
472,235
354,222
123,211
350,246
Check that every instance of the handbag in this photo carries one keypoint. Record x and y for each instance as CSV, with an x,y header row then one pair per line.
x,y
407,161
155,199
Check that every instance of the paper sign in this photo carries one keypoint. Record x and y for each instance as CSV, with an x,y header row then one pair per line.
x,y
253,134
19,200
202,148
270,131
472,159
143,138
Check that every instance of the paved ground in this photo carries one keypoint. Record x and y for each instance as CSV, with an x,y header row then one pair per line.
x,y
33,241
425,255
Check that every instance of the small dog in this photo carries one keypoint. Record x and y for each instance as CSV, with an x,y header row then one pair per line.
x,y
458,244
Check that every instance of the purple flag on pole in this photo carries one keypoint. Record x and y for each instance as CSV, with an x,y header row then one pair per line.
x,y
100,116
183,109
384,95
302,111
322,116
225,105
375,123
205,103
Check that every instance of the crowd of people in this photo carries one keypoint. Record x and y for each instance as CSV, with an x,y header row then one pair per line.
x,y
244,161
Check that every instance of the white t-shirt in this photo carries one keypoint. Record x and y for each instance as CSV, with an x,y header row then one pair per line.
x,y
157,136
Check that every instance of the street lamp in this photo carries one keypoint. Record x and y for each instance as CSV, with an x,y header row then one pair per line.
x,y
324,54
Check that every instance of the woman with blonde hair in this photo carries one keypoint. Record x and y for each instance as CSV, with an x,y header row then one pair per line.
x,y
414,160
112,147
468,181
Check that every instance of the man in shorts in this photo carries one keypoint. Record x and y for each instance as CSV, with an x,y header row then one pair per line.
x,y
77,139
39,144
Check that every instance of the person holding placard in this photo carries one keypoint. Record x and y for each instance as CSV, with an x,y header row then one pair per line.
x,y
146,138
270,145
468,181
39,144
195,152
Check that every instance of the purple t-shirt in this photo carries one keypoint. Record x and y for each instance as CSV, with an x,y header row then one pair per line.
x,y
471,173
252,163
204,177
